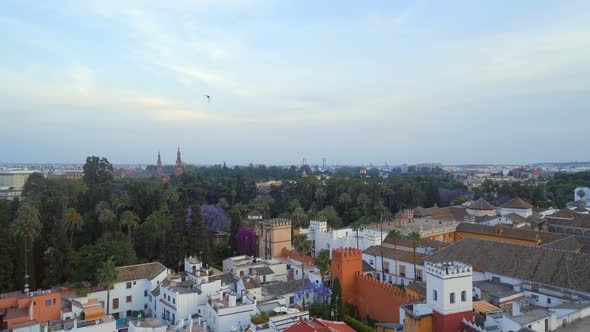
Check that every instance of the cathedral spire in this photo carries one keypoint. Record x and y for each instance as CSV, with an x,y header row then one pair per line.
x,y
178,162
159,168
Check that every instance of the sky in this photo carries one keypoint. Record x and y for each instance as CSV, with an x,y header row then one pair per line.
x,y
356,82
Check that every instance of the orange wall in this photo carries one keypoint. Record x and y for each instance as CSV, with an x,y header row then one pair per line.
x,y
379,300
42,312
461,235
411,324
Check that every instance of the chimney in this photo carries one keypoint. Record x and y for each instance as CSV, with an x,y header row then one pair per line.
x,y
516,308
231,299
499,229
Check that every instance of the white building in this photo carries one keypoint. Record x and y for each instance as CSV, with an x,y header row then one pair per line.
x,y
12,182
323,238
517,205
263,270
133,289
224,313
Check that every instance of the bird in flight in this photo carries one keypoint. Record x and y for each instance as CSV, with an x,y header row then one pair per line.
x,y
208,98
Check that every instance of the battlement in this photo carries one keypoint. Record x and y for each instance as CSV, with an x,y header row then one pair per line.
x,y
387,289
319,225
347,252
451,269
276,222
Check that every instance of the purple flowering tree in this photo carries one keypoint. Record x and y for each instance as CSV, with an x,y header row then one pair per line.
x,y
315,292
214,218
246,241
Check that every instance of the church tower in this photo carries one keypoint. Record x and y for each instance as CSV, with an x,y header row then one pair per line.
x,y
178,162
159,169
449,293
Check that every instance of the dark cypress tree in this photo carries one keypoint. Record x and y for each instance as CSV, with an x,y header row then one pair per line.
x,y
336,306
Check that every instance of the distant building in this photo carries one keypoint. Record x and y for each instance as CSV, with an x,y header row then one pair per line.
x,y
12,182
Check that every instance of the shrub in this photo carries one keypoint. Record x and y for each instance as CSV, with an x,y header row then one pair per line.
x,y
356,325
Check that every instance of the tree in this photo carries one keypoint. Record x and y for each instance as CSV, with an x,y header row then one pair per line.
x,y
170,197
159,220
130,221
27,226
336,306
106,217
330,215
581,194
73,222
214,218
294,204
299,216
98,178
320,195
246,241
119,202
395,235
323,262
222,203
415,237
345,200
107,276
303,246
357,227
363,200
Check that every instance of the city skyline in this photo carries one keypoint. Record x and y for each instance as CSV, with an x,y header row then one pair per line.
x,y
495,83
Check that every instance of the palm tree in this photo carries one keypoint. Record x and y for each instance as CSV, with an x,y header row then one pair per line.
x,y
320,195
345,199
323,262
73,221
106,216
415,237
159,220
118,202
363,200
170,197
130,221
357,227
27,225
222,203
294,204
395,235
299,216
107,276
303,247
581,194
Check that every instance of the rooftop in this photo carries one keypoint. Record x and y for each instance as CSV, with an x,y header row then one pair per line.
x,y
517,203
537,264
398,255
284,287
508,232
495,289
481,204
139,271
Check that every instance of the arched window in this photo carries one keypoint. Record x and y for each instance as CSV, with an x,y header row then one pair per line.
x,y
434,295
463,296
452,297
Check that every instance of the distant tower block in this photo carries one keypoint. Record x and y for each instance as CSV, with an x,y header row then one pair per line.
x,y
449,293
178,162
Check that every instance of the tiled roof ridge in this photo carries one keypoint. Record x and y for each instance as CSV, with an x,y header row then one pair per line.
x,y
518,244
140,264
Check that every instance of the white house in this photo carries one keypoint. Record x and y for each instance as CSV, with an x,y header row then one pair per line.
x,y
263,270
132,290
224,313
323,238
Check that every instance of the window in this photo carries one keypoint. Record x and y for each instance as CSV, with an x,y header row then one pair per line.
x,y
548,300
419,274
434,295
145,306
47,302
241,273
53,301
134,283
174,301
378,276
128,313
291,299
128,284
386,267
145,293
115,303
402,270
390,280
452,297
128,299
371,261
463,296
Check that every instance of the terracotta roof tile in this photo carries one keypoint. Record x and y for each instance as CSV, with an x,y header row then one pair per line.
x,y
481,204
517,203
139,271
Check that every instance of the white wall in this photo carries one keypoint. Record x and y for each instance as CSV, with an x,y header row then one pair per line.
x,y
521,212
